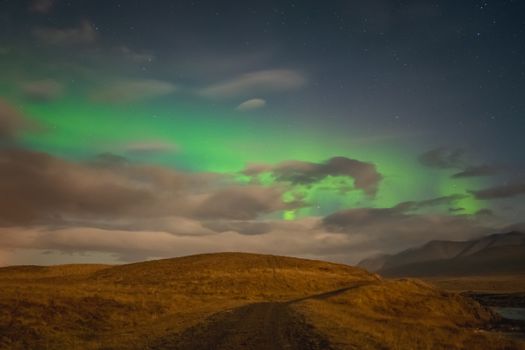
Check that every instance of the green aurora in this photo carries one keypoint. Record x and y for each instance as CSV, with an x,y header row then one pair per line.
x,y
222,141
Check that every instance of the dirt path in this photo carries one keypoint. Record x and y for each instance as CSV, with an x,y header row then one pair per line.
x,y
259,326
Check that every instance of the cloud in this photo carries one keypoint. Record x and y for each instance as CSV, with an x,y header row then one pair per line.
x,y
250,105
433,202
357,233
110,192
365,175
134,90
83,34
42,90
479,170
256,82
505,191
173,225
443,158
109,159
455,158
393,229
484,212
37,187
13,122
444,200
300,238
42,6
243,203
241,226
134,56
110,205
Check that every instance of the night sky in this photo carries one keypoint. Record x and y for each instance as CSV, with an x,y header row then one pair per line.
x,y
335,130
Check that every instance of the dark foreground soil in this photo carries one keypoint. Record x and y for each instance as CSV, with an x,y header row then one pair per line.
x,y
260,326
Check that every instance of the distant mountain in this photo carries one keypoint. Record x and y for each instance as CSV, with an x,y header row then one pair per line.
x,y
374,263
493,254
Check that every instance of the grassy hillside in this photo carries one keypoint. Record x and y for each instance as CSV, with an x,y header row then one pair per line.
x,y
237,275
402,314
125,306
139,306
496,283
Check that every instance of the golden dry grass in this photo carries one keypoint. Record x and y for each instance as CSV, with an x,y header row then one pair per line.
x,y
403,314
133,306
130,306
496,283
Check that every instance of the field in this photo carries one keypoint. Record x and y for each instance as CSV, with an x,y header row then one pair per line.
x,y
495,283
234,300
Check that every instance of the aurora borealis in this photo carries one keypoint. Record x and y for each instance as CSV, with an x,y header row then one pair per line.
x,y
138,130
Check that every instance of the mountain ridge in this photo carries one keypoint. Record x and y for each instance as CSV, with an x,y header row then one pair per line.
x,y
492,254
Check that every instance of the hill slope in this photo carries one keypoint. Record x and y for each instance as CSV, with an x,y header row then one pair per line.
x,y
494,254
236,274
231,300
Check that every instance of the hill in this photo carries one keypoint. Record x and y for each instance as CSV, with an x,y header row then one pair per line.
x,y
230,301
253,276
490,255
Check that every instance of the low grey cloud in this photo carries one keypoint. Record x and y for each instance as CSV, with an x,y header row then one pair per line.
x,y
455,158
361,217
243,203
484,212
433,202
504,191
42,90
241,226
443,158
133,90
365,175
286,238
13,122
37,187
250,105
347,236
478,170
84,33
110,192
109,159
253,83
393,229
